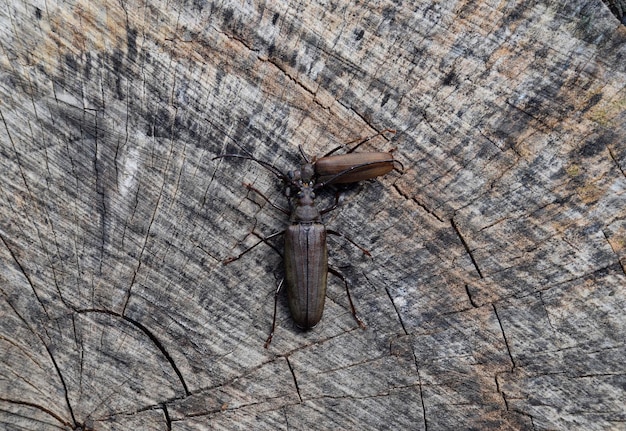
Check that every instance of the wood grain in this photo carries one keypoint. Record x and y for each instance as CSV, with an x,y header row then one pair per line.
x,y
494,297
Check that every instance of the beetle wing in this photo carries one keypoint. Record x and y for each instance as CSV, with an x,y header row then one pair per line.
x,y
306,272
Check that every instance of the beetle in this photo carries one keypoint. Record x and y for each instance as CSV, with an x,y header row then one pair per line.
x,y
306,259
305,250
356,166
335,169
361,166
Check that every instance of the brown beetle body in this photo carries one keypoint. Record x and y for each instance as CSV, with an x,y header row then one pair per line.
x,y
355,167
306,259
306,272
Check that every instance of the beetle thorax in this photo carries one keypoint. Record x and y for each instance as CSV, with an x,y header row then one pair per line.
x,y
305,211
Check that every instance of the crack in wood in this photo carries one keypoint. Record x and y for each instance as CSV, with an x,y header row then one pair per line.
x,y
495,378
544,127
397,311
467,249
506,342
616,161
38,407
152,338
590,275
65,390
23,271
295,380
284,71
417,202
99,184
284,410
419,384
619,260
166,414
383,394
543,304
506,402
469,295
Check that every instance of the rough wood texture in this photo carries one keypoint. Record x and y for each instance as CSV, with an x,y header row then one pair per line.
x,y
495,296
618,7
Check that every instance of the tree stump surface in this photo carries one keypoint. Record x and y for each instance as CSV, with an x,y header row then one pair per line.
x,y
494,297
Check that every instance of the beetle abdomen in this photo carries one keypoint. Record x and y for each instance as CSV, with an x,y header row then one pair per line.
x,y
306,271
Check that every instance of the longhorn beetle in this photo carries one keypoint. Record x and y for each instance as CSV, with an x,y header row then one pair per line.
x,y
363,166
341,169
305,250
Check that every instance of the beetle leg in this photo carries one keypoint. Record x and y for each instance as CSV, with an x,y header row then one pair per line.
x,y
362,141
401,170
345,282
303,154
369,138
269,339
333,150
258,192
233,258
334,232
334,206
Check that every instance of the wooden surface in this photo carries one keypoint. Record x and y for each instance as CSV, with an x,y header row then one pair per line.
x,y
618,7
495,295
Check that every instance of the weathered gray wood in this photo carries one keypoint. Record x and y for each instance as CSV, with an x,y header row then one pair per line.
x,y
618,7
495,296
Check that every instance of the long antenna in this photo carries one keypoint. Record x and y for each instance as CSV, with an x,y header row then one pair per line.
x,y
266,165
